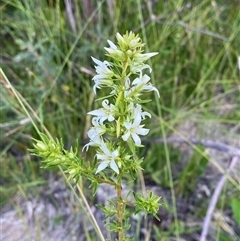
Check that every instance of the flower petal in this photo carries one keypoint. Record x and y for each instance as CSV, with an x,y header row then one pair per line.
x,y
114,166
127,125
141,131
126,136
115,154
96,61
111,44
151,88
144,57
86,146
101,156
102,166
137,115
105,104
98,112
136,139
105,149
144,114
111,118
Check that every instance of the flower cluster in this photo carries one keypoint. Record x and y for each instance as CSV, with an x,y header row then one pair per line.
x,y
118,124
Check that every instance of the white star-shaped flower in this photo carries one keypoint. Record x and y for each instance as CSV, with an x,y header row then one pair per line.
x,y
138,111
104,75
139,67
138,85
108,158
96,141
105,113
134,128
113,50
95,133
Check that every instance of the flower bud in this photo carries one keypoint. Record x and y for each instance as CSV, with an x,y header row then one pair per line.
x,y
41,146
129,52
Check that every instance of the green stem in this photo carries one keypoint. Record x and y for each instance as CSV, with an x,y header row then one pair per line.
x,y
120,212
120,104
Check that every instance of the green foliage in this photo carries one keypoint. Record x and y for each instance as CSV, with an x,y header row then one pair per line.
x,y
195,168
128,60
149,204
18,177
155,166
49,64
235,205
223,237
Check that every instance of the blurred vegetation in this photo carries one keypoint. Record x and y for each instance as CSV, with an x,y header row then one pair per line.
x,y
45,53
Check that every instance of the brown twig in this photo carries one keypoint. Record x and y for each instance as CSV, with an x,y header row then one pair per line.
x,y
214,200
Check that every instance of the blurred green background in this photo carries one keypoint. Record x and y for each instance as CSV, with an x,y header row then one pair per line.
x,y
46,49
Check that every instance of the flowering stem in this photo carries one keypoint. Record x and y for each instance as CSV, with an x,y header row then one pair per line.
x,y
115,132
120,119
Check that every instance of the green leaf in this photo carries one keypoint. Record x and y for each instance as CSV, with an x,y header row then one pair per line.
x,y
235,205
144,101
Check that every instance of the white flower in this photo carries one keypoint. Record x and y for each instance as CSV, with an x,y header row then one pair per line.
x,y
134,128
96,141
95,133
108,157
113,50
140,84
134,43
139,67
104,75
120,39
138,111
98,128
143,57
105,113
